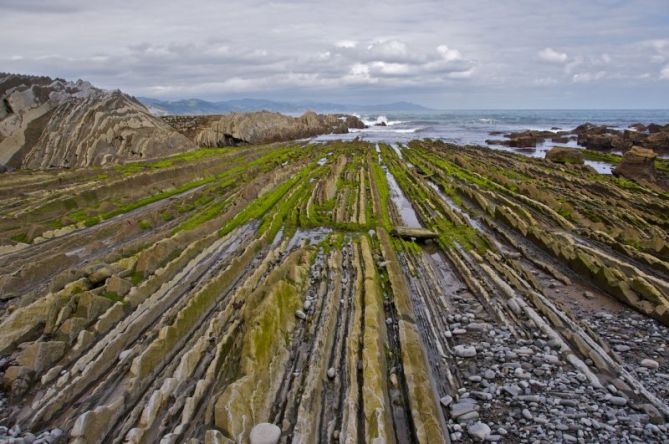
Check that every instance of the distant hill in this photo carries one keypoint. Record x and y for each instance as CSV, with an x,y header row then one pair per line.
x,y
198,106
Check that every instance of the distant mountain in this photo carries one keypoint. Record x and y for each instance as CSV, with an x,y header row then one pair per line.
x,y
198,106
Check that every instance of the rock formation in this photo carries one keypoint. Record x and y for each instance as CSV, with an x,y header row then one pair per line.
x,y
529,138
565,155
602,138
259,127
638,164
47,123
257,295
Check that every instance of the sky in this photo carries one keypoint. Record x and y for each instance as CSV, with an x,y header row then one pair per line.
x,y
444,54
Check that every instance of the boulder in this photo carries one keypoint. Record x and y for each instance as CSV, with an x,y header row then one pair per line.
x,y
638,164
565,155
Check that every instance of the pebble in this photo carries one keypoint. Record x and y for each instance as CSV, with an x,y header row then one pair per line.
x,y
331,373
650,363
446,400
616,400
479,430
489,374
300,315
464,351
588,294
527,414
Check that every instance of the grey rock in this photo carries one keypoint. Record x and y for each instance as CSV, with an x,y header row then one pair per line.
x,y
464,351
265,433
446,400
650,363
479,430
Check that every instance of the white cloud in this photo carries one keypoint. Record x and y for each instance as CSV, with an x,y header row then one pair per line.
x,y
587,77
553,56
449,54
349,44
664,74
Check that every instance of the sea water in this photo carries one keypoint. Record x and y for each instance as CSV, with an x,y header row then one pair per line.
x,y
475,126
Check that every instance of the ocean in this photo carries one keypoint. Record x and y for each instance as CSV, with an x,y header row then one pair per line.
x,y
475,126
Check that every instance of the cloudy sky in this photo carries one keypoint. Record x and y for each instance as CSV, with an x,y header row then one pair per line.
x,y
447,54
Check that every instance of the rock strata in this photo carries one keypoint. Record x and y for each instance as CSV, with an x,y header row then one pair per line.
x,y
259,127
257,295
52,123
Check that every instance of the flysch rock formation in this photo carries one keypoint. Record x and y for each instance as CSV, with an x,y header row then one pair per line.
x,y
256,295
52,123
259,127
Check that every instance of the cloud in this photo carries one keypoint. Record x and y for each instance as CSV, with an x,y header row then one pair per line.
x,y
346,44
449,54
552,56
295,49
664,74
587,77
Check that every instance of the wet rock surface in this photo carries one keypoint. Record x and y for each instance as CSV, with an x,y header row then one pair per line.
x,y
257,295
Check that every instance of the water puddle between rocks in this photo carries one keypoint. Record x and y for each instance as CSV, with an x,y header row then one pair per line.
x,y
314,236
407,213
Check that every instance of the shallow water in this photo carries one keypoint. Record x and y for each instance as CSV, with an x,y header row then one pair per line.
x,y
407,213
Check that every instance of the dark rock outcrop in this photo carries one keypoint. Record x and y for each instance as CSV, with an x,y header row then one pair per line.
x,y
602,138
565,155
53,123
529,138
259,127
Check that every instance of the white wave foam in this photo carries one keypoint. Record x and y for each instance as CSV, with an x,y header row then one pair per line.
x,y
383,129
378,121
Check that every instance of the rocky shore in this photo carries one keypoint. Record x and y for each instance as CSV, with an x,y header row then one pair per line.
x,y
335,292
593,137
52,123
259,127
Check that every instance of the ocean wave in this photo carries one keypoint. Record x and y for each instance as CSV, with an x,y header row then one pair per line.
x,y
384,129
370,121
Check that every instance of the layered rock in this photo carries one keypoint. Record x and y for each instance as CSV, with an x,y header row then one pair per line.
x,y
245,296
259,127
603,138
47,123
565,155
638,164
529,138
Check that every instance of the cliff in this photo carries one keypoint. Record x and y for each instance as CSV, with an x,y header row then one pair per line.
x,y
47,123
259,127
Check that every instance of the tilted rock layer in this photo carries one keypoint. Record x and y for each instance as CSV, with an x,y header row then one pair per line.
x,y
344,292
47,123
259,127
